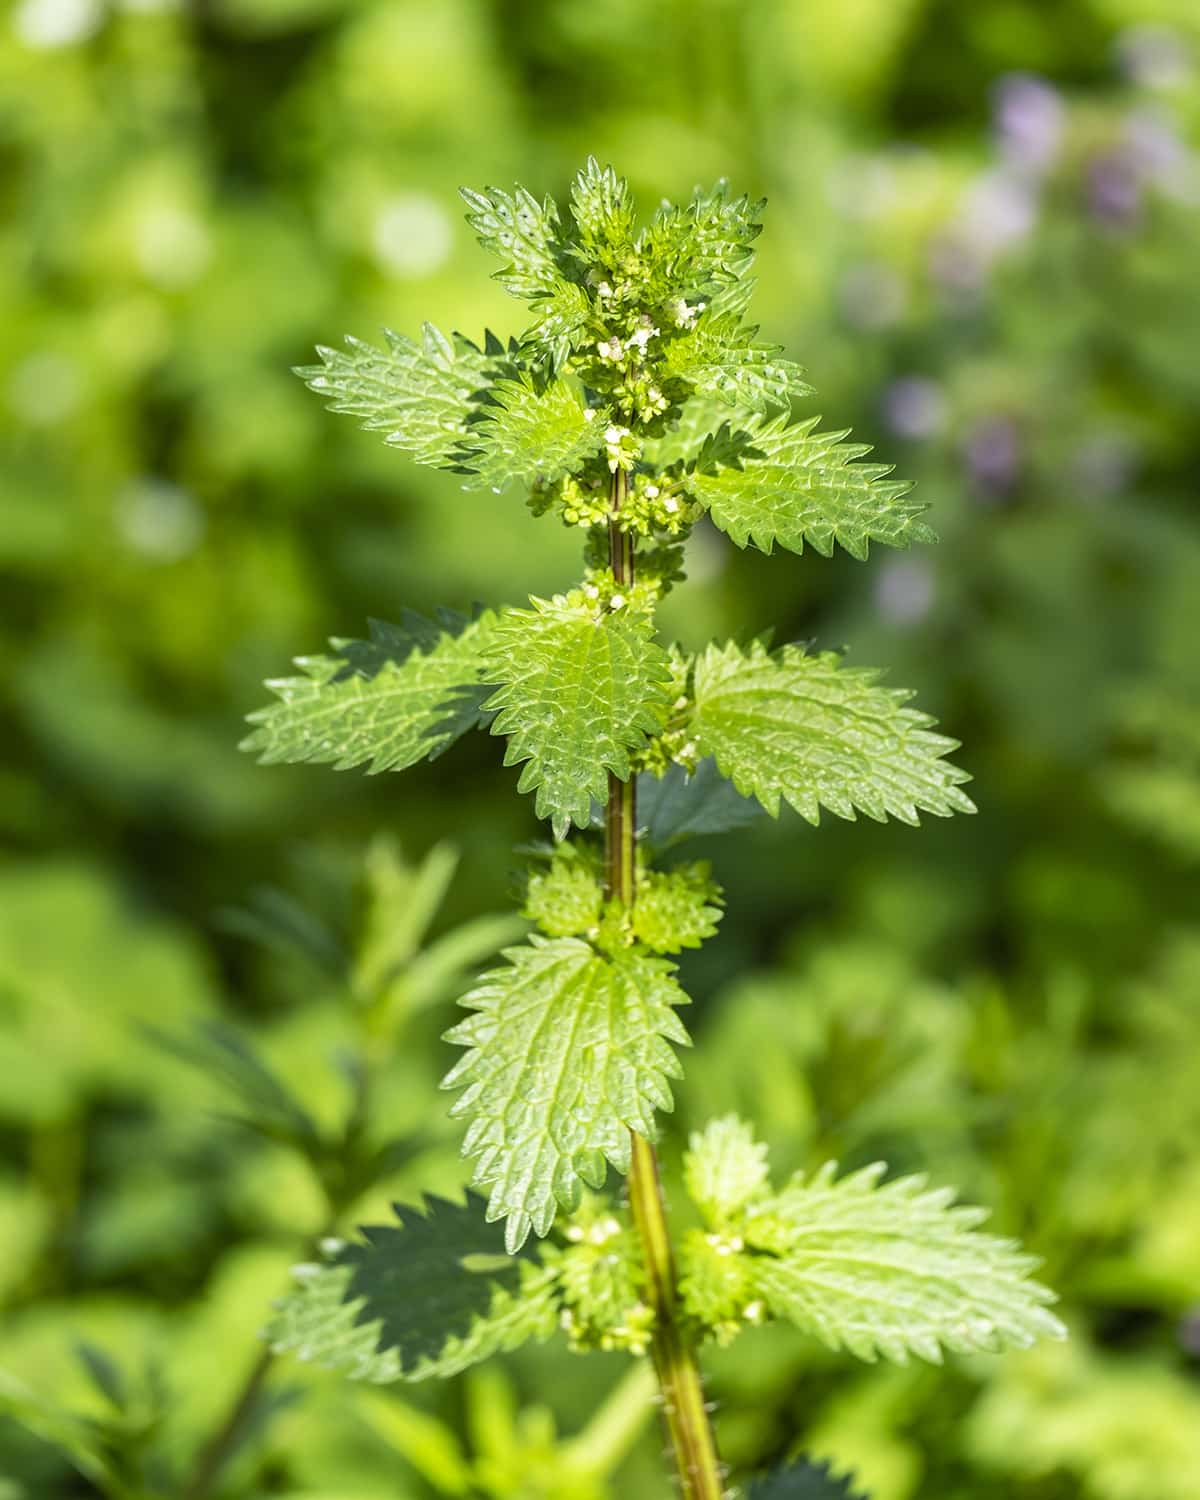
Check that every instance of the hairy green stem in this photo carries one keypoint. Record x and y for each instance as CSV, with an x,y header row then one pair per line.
x,y
684,1411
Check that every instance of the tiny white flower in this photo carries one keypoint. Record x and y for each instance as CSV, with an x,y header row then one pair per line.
x,y
590,414
592,591
685,316
652,492
670,505
617,601
604,290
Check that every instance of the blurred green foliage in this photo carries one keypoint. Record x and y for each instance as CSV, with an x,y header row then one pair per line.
x,y
985,247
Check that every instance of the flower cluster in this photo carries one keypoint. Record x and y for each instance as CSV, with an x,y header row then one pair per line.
x,y
604,1301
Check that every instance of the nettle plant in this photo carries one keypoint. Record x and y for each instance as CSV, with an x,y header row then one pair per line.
x,y
637,401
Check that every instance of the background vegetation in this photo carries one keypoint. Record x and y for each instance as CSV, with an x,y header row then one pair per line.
x,y
983,240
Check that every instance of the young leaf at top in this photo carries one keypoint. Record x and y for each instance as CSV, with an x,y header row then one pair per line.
x,y
892,1268
386,704
806,1480
803,728
579,687
568,1053
602,207
426,1298
419,395
523,233
705,242
805,486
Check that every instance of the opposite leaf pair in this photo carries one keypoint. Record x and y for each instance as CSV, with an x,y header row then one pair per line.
x,y
874,1267
581,691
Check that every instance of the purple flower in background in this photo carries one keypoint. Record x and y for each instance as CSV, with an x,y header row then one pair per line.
x,y
993,454
1149,154
914,407
1155,57
1114,188
1028,121
904,590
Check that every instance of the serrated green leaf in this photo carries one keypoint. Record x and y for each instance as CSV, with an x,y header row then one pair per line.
x,y
676,909
427,1297
415,1277
705,243
719,361
807,487
419,395
680,443
894,1269
530,431
568,1053
806,1480
385,704
602,207
724,1169
805,729
580,687
679,805
320,1323
566,899
559,317
523,233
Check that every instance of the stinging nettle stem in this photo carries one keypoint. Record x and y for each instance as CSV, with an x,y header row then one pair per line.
x,y
684,1410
